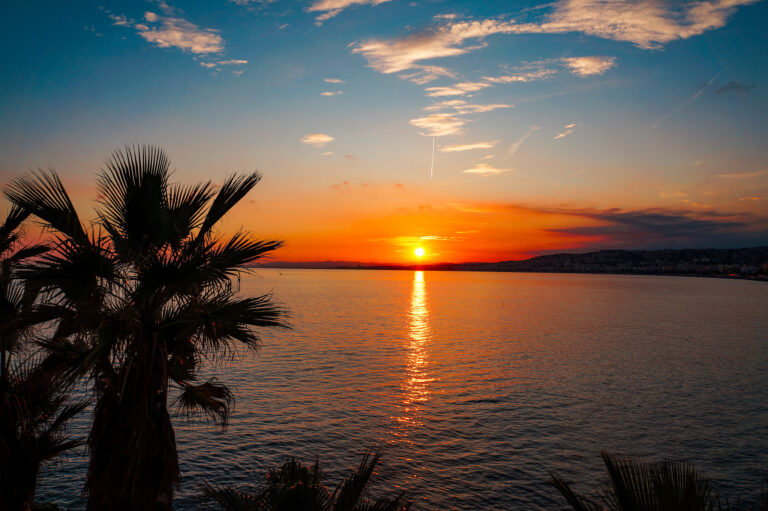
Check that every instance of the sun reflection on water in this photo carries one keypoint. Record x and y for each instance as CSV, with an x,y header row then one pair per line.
x,y
416,384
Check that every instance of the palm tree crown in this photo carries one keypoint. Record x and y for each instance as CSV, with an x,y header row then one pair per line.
x,y
34,405
143,296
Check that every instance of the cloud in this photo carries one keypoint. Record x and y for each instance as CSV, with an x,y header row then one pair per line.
x,y
439,125
734,86
331,8
468,147
426,74
743,175
589,66
462,107
473,109
332,93
458,89
396,55
484,169
327,153
516,145
568,130
120,20
333,80
664,227
648,24
173,32
317,139
215,63
533,71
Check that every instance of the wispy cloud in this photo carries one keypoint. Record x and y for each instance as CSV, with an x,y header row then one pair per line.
x,y
529,72
461,107
169,30
218,63
333,80
485,169
332,93
425,74
458,89
589,66
743,175
649,24
568,130
468,147
317,139
448,40
517,143
439,125
174,32
330,8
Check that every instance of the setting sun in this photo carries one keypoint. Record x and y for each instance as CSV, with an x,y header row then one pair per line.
x,y
419,251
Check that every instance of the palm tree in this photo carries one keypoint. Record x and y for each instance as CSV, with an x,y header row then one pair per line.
x,y
295,486
635,485
33,399
145,295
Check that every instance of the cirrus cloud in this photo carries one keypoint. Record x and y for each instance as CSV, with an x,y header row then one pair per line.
x,y
439,125
317,139
485,169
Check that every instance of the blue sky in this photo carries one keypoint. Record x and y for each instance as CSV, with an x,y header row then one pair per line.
x,y
602,104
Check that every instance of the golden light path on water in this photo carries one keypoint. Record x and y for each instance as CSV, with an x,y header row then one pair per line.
x,y
416,384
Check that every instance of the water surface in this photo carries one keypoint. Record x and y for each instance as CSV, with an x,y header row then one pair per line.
x,y
478,385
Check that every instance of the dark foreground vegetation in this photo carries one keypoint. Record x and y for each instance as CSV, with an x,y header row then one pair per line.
x,y
133,304
129,307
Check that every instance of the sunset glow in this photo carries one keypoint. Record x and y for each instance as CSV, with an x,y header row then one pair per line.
x,y
487,131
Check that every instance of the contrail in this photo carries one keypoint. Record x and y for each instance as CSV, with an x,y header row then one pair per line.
x,y
432,165
687,102
514,147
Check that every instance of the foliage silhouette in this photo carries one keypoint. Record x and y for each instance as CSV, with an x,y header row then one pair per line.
x,y
634,485
144,295
295,486
34,405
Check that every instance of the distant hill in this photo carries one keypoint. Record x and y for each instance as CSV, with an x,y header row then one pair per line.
x,y
738,262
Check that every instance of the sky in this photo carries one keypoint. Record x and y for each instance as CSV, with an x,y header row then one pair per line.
x,y
479,131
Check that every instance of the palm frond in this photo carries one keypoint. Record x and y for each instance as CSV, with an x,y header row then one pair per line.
x,y
8,234
211,399
186,208
350,492
230,499
232,191
576,501
42,194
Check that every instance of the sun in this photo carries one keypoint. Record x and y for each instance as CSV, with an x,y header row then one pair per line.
x,y
419,251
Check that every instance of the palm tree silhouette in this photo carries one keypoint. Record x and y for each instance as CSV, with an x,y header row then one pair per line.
x,y
635,485
34,405
295,486
144,296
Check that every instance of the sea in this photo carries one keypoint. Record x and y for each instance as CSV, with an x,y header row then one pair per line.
x,y
477,387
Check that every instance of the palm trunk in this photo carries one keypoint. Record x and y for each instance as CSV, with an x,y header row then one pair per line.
x,y
134,463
